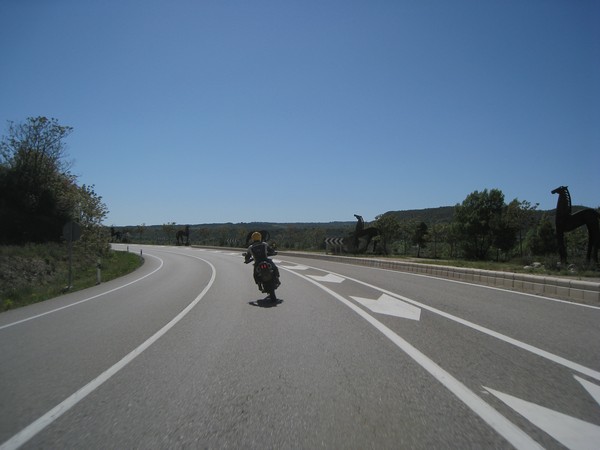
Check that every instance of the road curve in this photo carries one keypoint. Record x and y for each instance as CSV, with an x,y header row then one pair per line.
x,y
182,354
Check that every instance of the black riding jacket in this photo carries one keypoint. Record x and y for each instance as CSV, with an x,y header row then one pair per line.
x,y
260,251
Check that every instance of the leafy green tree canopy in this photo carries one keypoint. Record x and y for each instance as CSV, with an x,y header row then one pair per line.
x,y
389,228
476,218
38,194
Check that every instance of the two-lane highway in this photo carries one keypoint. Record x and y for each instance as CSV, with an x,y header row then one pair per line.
x,y
181,354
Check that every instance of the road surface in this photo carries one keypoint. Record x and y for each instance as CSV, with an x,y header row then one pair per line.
x,y
183,353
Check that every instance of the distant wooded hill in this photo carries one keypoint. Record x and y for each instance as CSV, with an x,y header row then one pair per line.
x,y
445,214
428,215
442,214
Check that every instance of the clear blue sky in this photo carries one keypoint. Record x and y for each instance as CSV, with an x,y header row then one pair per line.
x,y
193,111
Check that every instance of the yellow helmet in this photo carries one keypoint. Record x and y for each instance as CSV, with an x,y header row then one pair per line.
x,y
256,236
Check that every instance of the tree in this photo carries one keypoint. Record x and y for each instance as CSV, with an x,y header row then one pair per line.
x,y
542,239
476,217
35,183
421,237
520,216
504,237
389,229
169,230
139,229
36,148
89,211
38,194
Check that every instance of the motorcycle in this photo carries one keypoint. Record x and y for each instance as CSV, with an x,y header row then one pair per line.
x,y
264,276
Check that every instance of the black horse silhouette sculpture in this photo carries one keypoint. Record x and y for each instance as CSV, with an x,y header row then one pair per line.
x,y
115,236
183,233
358,242
119,236
266,236
565,222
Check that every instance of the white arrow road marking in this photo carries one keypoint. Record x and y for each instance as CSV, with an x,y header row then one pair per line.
x,y
571,432
331,278
391,306
530,348
513,434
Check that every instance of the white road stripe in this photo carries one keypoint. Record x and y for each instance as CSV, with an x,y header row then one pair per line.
x,y
513,434
34,428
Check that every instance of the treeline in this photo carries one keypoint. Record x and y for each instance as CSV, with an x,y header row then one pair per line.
x,y
482,227
292,236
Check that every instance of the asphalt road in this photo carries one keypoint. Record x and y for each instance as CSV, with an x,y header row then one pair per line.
x,y
184,354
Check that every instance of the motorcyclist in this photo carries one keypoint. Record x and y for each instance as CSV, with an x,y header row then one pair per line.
x,y
261,251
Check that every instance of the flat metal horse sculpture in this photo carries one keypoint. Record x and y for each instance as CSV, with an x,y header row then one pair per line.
x,y
565,221
359,241
183,234
115,236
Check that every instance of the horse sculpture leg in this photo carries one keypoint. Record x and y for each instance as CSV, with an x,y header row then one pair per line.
x,y
562,250
593,242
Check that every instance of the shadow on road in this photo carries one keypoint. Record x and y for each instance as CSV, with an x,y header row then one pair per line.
x,y
266,303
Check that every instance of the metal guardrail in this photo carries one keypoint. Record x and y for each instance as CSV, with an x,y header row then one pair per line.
x,y
579,291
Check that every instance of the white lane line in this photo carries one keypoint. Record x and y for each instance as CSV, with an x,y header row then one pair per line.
x,y
522,345
35,427
86,299
513,434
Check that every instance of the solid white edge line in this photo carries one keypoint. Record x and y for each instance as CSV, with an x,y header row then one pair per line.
x,y
513,434
85,299
38,425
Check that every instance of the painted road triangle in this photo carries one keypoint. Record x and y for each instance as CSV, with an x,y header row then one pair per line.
x,y
571,432
391,306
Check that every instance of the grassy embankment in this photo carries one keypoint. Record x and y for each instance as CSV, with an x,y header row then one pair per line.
x,y
33,273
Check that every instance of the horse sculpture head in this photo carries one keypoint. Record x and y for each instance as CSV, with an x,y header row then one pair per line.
x,y
560,190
